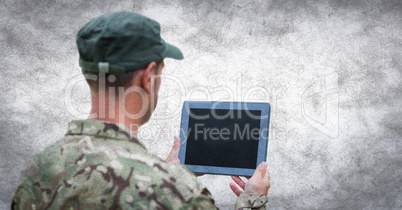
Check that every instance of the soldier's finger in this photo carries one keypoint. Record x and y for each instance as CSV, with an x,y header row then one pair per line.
x,y
236,190
239,181
267,176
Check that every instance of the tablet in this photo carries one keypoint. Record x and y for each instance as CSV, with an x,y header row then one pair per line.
x,y
229,138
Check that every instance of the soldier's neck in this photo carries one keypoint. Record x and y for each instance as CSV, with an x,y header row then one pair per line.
x,y
127,113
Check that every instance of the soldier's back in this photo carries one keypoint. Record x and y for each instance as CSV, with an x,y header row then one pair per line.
x,y
106,171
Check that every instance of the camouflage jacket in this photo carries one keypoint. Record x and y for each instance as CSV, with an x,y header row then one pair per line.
x,y
100,165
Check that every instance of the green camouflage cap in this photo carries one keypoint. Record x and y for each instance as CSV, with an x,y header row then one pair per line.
x,y
121,41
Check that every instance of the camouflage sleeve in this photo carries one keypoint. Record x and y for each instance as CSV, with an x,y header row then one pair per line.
x,y
203,200
27,197
247,201
200,202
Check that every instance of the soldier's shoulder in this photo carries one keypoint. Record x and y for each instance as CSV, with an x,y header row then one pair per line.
x,y
141,178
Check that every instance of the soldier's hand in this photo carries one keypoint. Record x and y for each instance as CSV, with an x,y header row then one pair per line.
x,y
258,184
173,156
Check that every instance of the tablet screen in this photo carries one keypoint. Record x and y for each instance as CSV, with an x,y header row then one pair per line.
x,y
222,137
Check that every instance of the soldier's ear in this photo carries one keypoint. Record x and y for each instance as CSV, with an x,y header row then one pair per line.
x,y
146,80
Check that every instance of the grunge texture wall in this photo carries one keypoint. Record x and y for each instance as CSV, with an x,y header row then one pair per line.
x,y
330,69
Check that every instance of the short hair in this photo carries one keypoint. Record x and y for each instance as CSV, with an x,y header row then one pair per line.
x,y
124,81
121,81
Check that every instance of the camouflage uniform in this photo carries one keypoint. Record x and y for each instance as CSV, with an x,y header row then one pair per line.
x,y
100,165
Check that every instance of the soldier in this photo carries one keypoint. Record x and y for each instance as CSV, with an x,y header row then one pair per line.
x,y
100,163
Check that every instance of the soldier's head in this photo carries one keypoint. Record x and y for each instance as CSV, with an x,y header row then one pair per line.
x,y
121,56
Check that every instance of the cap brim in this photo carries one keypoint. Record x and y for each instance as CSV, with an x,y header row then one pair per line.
x,y
172,51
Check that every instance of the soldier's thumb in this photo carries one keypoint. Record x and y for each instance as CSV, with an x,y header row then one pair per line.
x,y
174,152
261,170
176,145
